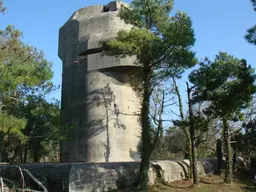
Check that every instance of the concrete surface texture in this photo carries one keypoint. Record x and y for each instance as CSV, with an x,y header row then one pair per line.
x,y
99,177
98,101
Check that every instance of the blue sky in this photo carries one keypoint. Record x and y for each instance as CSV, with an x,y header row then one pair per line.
x,y
219,26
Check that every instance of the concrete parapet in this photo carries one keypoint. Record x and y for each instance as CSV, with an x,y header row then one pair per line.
x,y
98,177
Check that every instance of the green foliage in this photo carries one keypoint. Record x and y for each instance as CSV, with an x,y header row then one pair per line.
x,y
12,125
42,128
171,146
175,139
158,44
27,120
251,32
2,8
245,140
147,13
202,131
20,63
251,35
227,84
19,66
254,4
161,45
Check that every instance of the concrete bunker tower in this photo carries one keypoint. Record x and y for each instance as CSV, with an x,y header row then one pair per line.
x,y
97,99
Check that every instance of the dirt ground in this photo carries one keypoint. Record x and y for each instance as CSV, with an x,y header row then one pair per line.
x,y
242,182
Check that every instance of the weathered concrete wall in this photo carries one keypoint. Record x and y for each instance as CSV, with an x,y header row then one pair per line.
x,y
97,177
178,170
97,98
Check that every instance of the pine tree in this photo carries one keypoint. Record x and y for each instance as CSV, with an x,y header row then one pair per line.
x,y
251,32
22,69
161,45
228,84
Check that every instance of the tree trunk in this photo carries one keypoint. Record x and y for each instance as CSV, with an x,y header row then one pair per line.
x,y
234,165
194,158
145,135
1,154
160,128
219,156
25,155
188,150
1,148
192,136
4,152
227,149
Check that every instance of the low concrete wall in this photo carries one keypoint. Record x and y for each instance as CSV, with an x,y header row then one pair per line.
x,y
97,177
178,170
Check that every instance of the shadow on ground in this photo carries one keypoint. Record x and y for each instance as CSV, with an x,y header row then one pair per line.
x,y
245,178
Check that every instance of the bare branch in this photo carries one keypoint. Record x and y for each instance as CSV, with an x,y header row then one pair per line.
x,y
2,184
36,180
22,177
175,113
160,124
